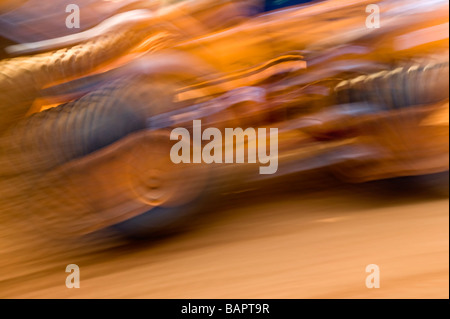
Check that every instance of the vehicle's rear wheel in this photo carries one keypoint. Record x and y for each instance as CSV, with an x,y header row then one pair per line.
x,y
131,186
173,192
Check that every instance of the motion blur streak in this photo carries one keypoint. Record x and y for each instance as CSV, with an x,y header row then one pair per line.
x,y
363,148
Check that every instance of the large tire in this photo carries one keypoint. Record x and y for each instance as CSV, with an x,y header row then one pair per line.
x,y
81,152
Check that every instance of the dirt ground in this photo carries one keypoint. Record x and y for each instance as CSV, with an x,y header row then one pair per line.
x,y
286,240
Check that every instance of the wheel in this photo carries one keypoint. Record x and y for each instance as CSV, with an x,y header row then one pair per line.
x,y
174,193
131,186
